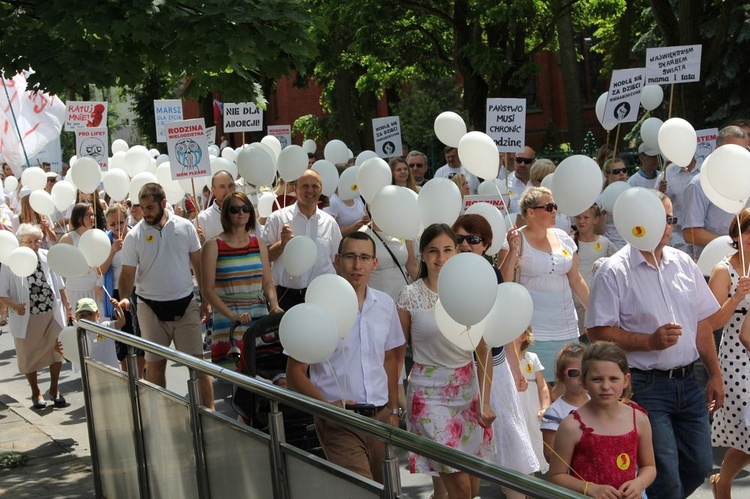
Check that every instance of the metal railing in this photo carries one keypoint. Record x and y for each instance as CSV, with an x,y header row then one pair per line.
x,y
108,475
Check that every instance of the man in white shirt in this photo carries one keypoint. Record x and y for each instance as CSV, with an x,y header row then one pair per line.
x,y
453,167
365,364
519,179
647,175
673,182
209,220
303,218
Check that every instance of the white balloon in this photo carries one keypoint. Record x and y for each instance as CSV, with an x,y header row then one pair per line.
x,y
510,315
117,184
213,150
117,161
292,162
396,211
439,202
348,187
329,175
186,184
265,204
67,260
299,256
464,337
467,286
714,252
272,142
728,205
34,178
336,152
174,192
228,154
308,333
309,146
95,246
496,220
41,202
163,173
576,184
152,166
72,160
611,193
86,175
10,184
373,175
139,181
154,153
640,218
478,154
650,132
219,164
350,154
8,242
728,171
601,104
364,156
256,166
651,97
63,195
449,128
118,145
335,295
493,187
22,261
137,160
547,181
162,158
678,141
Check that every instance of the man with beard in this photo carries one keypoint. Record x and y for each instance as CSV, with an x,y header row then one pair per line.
x,y
156,257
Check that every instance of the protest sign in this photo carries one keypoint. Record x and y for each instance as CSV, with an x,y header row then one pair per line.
x,y
211,134
624,97
85,114
242,117
497,201
188,149
166,111
706,144
93,143
680,64
387,133
281,132
506,123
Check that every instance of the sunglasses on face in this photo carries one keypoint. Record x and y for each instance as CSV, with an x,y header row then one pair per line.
x,y
572,372
525,161
671,220
549,207
618,171
51,180
235,210
469,238
415,165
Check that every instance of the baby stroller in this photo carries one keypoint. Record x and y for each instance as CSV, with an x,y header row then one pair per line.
x,y
262,355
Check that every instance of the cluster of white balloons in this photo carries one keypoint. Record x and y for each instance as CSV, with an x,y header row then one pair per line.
x,y
651,98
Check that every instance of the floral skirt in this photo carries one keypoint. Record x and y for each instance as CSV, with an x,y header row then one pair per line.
x,y
442,404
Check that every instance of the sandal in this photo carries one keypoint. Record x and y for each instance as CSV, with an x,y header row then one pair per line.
x,y
712,481
59,401
40,403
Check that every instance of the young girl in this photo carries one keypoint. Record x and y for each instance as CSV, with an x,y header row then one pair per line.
x,y
533,402
568,376
591,247
593,455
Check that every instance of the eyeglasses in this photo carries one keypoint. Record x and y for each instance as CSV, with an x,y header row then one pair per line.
x,y
469,238
550,207
415,165
671,220
618,171
525,161
90,214
51,180
572,372
353,257
235,210
29,242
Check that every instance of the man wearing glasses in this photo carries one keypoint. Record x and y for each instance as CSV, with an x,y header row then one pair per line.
x,y
453,167
518,180
660,316
209,220
417,163
363,371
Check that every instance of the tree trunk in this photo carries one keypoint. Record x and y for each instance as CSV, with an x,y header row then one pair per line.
x,y
343,95
570,73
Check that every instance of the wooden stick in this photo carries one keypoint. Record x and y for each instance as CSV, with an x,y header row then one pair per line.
x,y
671,98
617,138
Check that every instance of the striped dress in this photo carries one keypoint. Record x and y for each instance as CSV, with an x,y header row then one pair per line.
x,y
239,284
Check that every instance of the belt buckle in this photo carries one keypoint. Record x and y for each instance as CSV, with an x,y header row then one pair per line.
x,y
673,372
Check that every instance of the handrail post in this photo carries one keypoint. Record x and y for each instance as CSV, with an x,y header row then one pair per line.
x,y
278,464
135,408
83,350
194,397
391,475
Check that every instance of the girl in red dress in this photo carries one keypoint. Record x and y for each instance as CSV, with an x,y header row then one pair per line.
x,y
604,449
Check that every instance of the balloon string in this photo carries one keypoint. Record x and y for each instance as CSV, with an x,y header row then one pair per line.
x,y
333,373
103,286
663,292
742,249
483,365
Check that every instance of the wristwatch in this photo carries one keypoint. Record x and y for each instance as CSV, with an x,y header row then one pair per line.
x,y
396,412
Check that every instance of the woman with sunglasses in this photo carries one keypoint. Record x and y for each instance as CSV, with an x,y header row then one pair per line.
x,y
548,264
614,171
512,440
236,273
443,395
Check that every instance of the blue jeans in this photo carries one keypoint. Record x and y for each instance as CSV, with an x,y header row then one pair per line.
x,y
681,432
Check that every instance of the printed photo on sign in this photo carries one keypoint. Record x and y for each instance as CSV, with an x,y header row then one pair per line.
x,y
281,132
85,114
506,123
166,111
679,64
242,117
624,97
188,149
387,135
93,143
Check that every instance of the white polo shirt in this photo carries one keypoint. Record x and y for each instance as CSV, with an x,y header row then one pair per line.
x,y
357,362
162,258
210,221
321,228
